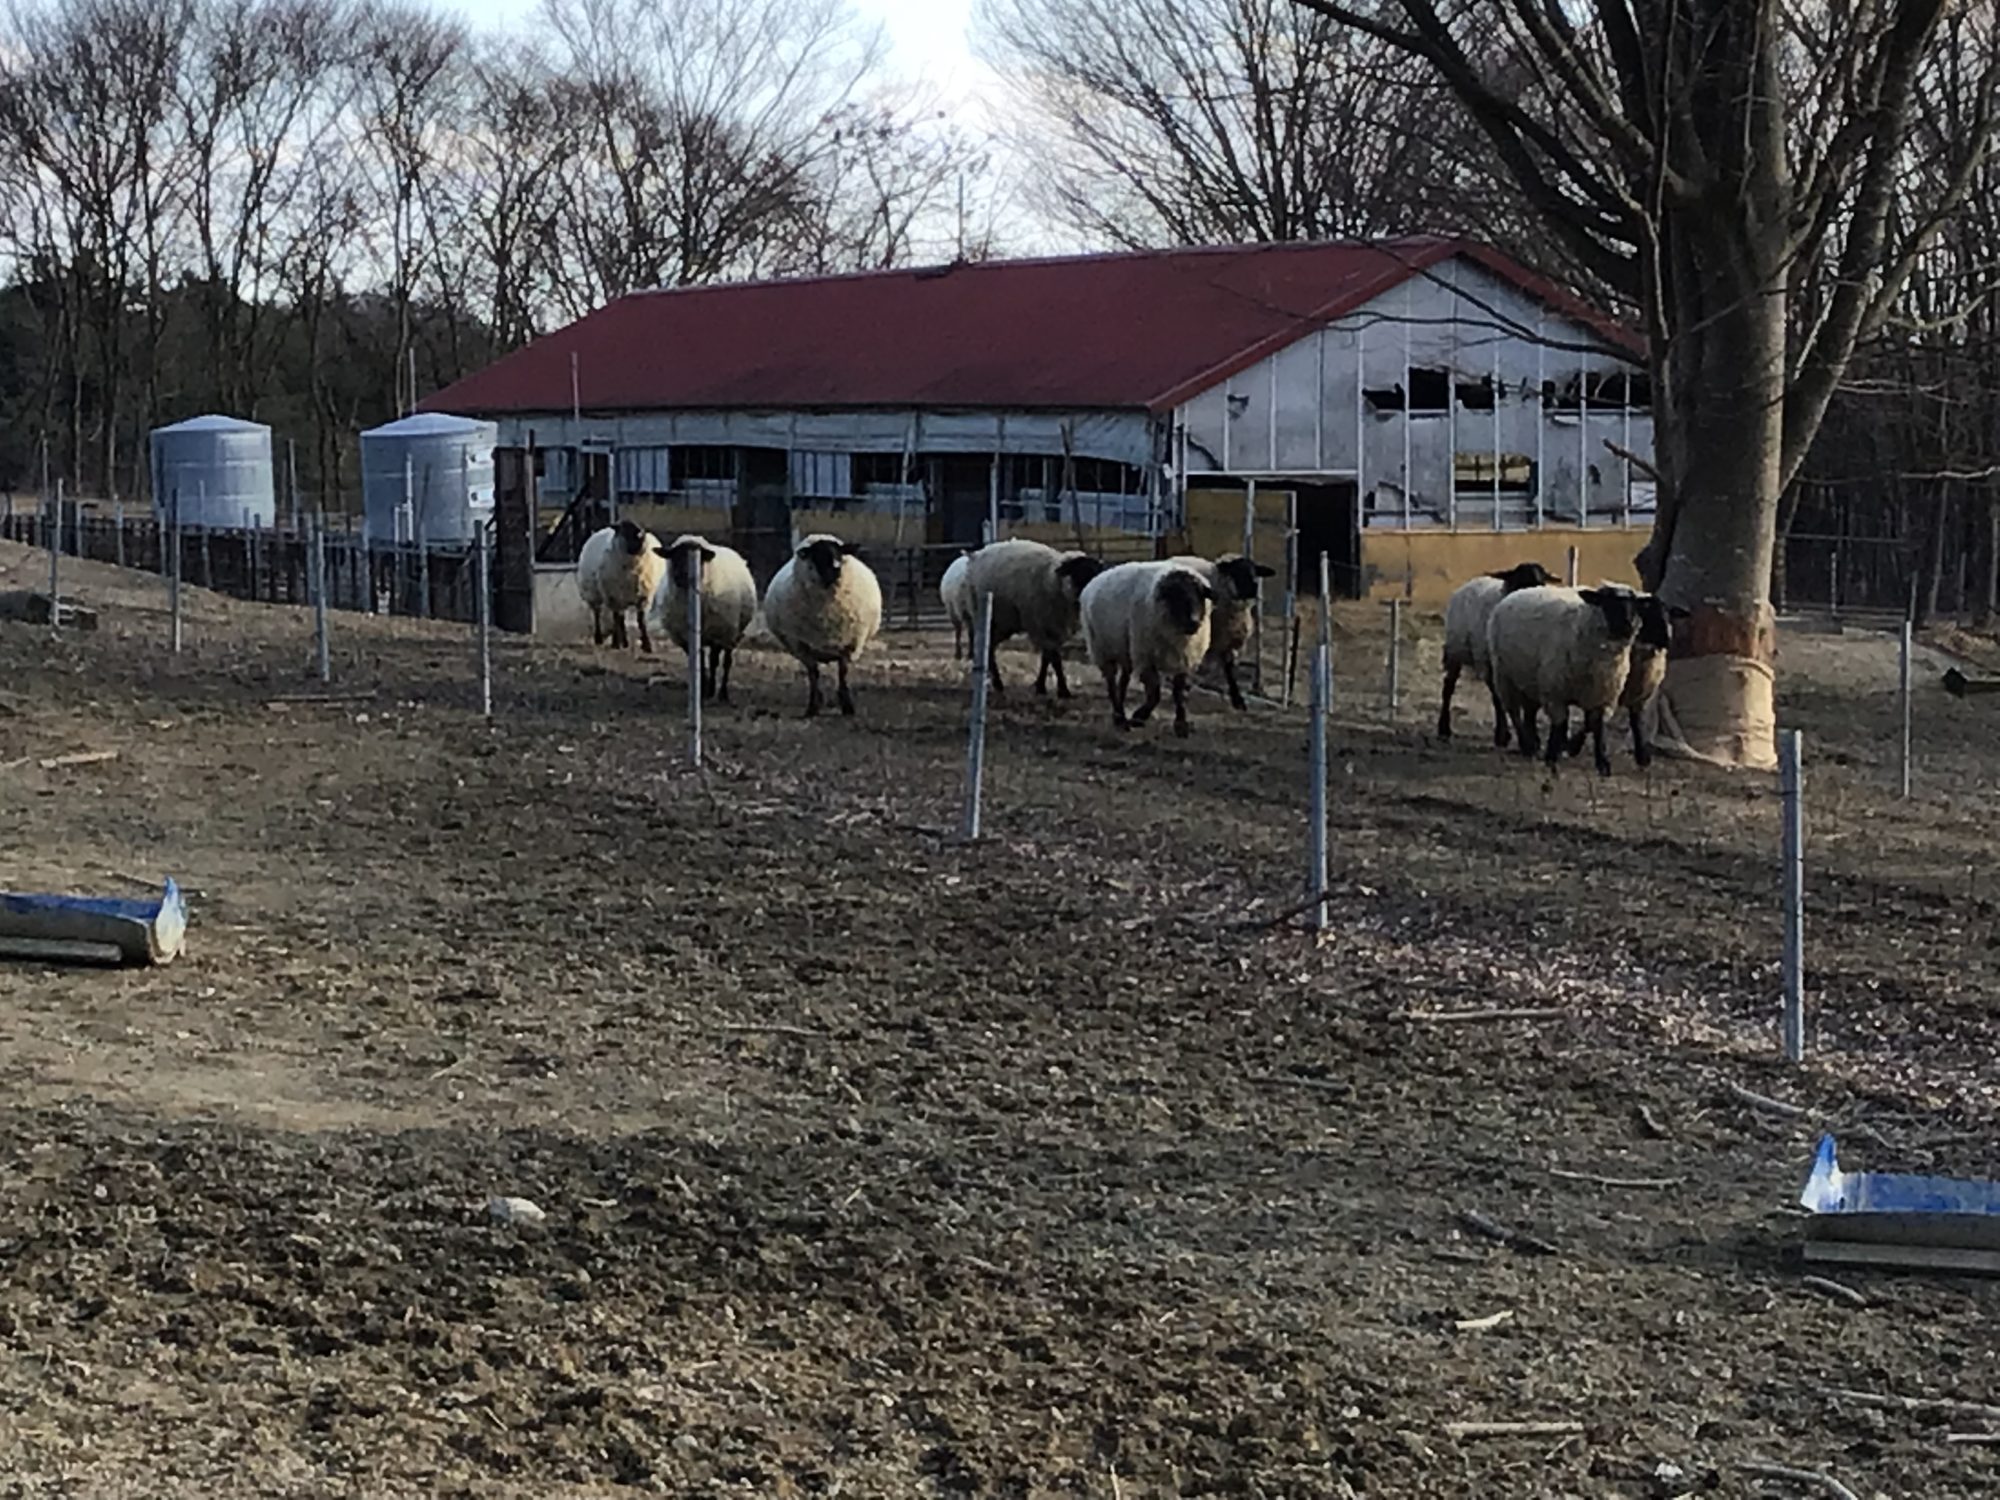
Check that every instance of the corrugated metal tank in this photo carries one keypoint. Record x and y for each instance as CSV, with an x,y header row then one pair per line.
x,y
442,465
221,469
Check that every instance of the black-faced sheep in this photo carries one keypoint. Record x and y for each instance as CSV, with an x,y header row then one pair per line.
x,y
618,569
728,604
1554,649
1151,618
1232,578
1035,591
824,606
1465,617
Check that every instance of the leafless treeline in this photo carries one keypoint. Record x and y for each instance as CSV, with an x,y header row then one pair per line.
x,y
295,209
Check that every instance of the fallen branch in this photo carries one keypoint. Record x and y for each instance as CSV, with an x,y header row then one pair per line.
x,y
1617,1182
1825,1483
1296,909
1972,1437
1469,1017
1512,1429
1324,1085
79,758
772,1028
1480,1325
1764,1101
1834,1290
286,700
1500,1234
1915,1403
1649,1123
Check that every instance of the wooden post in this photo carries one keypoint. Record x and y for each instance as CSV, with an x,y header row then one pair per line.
x,y
1395,683
482,538
317,583
55,556
1322,679
1903,700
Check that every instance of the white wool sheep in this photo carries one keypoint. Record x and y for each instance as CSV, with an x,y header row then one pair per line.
x,y
1648,666
1465,616
1151,618
618,569
1035,590
1232,579
728,605
824,606
1555,649
957,601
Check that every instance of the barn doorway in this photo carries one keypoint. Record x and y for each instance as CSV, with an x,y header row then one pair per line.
x,y
963,483
1328,525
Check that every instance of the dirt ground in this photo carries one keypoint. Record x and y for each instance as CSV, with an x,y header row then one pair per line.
x,y
879,1165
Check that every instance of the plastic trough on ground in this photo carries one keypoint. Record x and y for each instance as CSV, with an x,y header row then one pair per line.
x,y
1900,1219
93,929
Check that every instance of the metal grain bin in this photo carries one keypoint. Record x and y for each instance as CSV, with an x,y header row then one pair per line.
x,y
220,467
424,476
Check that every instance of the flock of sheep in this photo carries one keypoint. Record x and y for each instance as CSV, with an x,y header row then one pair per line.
x,y
1159,620
1538,648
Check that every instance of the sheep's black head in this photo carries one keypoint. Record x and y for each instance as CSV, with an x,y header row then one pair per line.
x,y
1527,575
1656,621
1620,609
1185,598
1241,575
1078,571
630,537
823,555
685,559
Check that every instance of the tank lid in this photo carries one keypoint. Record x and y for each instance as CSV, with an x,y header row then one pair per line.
x,y
429,424
214,424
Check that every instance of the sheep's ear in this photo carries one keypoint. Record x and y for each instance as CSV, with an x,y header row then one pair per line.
x,y
847,549
1265,570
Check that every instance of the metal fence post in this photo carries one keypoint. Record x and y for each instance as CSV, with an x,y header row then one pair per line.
x,y
1395,683
1570,570
1322,684
694,659
483,537
55,556
174,566
1326,629
118,520
1791,783
975,750
321,645
1903,695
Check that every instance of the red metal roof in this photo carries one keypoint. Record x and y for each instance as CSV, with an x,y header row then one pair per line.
x,y
1147,329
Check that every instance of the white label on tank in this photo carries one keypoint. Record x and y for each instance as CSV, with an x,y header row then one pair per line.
x,y
479,497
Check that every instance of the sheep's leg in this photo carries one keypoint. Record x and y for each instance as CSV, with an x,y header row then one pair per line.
x,y
645,640
1042,678
812,689
1558,734
1229,676
846,698
1595,718
596,624
1180,704
1444,706
1151,678
957,640
1576,740
618,637
1641,751
1116,694
1525,730
714,681
1503,722
1062,677
993,664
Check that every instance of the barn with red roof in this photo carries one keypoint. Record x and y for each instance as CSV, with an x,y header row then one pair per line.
x,y
1409,408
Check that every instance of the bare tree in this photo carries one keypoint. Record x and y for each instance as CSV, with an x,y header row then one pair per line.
x,y
1662,144
1229,121
706,124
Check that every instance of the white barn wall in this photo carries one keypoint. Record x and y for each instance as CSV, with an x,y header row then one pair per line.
x,y
1464,319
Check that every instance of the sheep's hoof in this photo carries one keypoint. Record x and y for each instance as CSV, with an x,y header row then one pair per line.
x,y
1181,730
1604,768
1121,721
847,705
1236,702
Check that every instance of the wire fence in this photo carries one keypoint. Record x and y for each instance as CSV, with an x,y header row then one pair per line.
x,y
436,581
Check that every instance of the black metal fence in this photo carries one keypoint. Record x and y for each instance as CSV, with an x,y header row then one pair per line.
x,y
437,581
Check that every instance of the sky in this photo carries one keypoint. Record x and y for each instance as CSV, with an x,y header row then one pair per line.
x,y
927,37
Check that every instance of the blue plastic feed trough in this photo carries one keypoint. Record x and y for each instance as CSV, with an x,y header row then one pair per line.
x,y
1900,1218
93,929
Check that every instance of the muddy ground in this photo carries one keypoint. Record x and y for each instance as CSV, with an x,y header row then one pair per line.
x,y
878,1165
